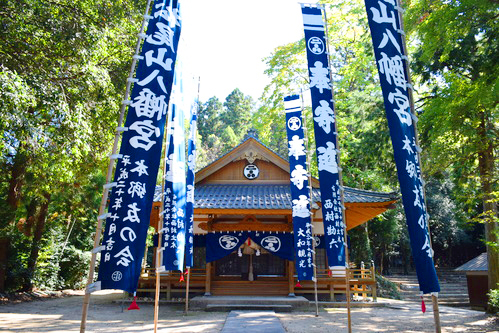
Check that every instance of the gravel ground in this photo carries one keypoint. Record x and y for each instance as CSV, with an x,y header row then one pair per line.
x,y
105,315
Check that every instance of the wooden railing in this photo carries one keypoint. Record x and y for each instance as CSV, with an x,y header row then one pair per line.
x,y
332,282
170,281
362,282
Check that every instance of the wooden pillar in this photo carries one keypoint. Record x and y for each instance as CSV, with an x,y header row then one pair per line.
x,y
207,287
331,291
291,278
168,289
373,274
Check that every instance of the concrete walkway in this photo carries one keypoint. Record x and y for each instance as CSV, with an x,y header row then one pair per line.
x,y
253,322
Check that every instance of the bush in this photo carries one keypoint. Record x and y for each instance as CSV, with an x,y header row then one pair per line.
x,y
493,300
386,288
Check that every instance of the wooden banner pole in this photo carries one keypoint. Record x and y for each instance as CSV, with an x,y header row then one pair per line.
x,y
434,298
309,157
159,253
110,168
189,272
342,194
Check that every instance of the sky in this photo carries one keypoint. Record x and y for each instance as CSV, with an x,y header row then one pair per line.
x,y
224,42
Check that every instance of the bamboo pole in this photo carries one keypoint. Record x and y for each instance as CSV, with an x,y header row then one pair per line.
x,y
105,193
189,272
434,298
342,195
159,253
310,201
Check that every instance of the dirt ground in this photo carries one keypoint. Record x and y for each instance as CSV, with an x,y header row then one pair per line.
x,y
105,315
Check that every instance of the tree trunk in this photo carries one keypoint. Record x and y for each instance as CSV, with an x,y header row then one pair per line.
x,y
35,245
486,167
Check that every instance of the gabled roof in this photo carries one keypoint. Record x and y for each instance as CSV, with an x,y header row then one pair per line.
x,y
269,196
237,153
477,264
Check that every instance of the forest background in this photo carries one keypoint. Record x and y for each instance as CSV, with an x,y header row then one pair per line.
x,y
63,69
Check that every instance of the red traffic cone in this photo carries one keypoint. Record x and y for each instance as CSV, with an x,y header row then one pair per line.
x,y
134,305
181,278
423,306
298,285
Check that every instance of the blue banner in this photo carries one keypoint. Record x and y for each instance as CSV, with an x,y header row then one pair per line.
x,y
300,192
189,206
136,170
388,45
219,245
174,227
325,134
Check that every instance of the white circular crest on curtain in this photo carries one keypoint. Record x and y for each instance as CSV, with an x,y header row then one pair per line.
x,y
228,242
271,243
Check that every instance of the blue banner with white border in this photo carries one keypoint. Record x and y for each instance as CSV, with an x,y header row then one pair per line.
x,y
300,192
388,45
325,134
189,206
127,220
174,201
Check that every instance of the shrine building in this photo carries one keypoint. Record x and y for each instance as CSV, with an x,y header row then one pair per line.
x,y
243,231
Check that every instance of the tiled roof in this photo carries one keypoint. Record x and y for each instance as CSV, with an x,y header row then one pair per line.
x,y
477,264
267,196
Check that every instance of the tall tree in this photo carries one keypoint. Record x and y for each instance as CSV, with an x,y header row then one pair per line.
x,y
457,63
63,66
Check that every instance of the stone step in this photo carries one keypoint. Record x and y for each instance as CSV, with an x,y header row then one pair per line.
x,y
253,307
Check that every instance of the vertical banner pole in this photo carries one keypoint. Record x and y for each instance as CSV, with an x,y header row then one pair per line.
x,y
311,200
159,253
189,272
390,49
105,193
434,297
189,205
342,194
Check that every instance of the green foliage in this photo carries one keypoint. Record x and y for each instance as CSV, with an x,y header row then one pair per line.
x,y
386,288
493,300
63,67
222,126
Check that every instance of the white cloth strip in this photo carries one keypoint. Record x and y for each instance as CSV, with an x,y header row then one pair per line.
x,y
121,129
96,286
400,31
109,185
127,102
399,9
434,293
409,86
148,17
308,27
311,5
162,230
138,57
160,250
98,249
414,118
104,216
142,35
418,149
316,20
293,105
161,269
116,156
133,80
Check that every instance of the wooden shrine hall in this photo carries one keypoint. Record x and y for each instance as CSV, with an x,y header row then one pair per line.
x,y
248,190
